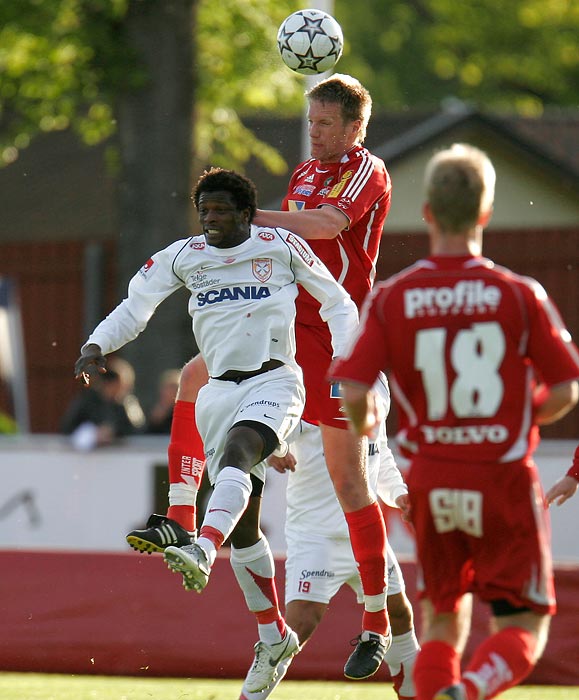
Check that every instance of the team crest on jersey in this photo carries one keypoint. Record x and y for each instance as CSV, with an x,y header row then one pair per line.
x,y
265,236
339,186
301,249
262,268
145,271
196,245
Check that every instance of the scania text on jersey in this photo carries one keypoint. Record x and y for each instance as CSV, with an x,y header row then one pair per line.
x,y
216,296
466,296
464,435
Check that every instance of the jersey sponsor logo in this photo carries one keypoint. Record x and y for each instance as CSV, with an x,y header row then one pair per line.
x,y
197,245
261,403
316,573
262,268
339,186
465,434
305,190
327,181
467,297
336,390
301,249
344,203
265,236
323,192
217,296
201,279
295,205
147,267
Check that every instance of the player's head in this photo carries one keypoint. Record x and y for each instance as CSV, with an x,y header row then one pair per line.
x,y
226,204
352,97
241,188
460,188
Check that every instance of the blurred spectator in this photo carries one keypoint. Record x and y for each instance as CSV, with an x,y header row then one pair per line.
x,y
98,416
126,390
160,416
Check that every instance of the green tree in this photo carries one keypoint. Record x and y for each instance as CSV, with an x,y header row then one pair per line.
x,y
518,55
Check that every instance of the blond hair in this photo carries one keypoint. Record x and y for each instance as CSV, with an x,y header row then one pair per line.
x,y
460,186
354,100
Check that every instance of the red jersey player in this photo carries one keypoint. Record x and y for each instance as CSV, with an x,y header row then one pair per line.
x,y
338,200
478,358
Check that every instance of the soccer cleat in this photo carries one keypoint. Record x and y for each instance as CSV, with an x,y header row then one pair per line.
x,y
453,692
369,653
161,532
263,671
191,562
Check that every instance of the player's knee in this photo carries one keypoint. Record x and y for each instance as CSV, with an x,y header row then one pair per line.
x,y
303,617
193,377
400,613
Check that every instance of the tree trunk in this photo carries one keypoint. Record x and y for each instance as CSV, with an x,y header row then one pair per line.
x,y
155,138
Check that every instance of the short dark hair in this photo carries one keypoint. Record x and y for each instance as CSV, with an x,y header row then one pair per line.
x,y
240,187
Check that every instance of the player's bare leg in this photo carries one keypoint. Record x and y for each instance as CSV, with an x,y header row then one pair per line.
x,y
345,456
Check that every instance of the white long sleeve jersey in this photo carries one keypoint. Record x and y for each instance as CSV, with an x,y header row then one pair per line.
x,y
242,299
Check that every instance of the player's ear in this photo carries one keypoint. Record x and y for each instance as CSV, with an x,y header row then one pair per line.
x,y
356,126
427,213
485,217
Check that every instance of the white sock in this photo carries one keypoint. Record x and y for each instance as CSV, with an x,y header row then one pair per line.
x,y
402,655
254,569
228,502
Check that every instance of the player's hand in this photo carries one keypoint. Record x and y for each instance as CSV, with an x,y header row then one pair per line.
x,y
91,355
561,491
403,502
283,464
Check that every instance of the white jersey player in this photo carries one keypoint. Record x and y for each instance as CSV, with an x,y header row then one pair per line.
x,y
319,558
243,282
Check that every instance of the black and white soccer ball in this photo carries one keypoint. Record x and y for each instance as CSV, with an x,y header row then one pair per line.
x,y
310,41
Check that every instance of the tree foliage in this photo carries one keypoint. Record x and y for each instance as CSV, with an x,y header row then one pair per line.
x,y
519,55
62,62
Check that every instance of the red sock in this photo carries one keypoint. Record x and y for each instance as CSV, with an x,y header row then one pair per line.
x,y
437,666
368,538
186,459
501,662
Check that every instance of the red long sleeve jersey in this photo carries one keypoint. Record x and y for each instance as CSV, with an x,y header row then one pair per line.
x,y
359,186
465,343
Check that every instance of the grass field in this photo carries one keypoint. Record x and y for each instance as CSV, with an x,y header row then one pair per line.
x,y
35,686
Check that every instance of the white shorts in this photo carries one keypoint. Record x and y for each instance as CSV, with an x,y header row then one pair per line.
x,y
317,567
275,398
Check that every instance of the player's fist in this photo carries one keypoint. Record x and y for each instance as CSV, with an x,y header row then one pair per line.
x,y
91,355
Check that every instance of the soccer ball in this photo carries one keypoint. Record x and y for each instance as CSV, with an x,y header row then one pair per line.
x,y
310,41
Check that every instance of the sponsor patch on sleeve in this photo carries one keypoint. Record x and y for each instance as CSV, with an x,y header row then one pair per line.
x,y
298,245
147,269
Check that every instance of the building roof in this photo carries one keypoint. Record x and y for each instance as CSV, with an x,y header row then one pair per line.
x,y
552,139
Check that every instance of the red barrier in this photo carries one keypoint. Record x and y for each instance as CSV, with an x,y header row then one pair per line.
x,y
126,614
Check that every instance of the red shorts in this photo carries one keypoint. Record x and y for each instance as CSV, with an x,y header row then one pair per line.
x,y
314,355
482,528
